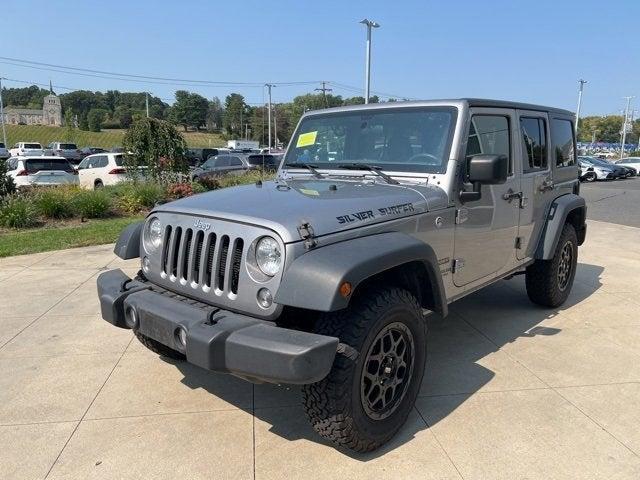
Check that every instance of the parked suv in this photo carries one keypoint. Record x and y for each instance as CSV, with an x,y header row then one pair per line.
x,y
96,171
232,164
26,148
41,171
322,277
70,151
4,153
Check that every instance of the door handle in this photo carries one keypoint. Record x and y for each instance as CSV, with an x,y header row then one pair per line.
x,y
510,195
547,185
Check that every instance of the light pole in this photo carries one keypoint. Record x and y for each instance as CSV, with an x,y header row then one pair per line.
x,y
581,82
624,126
4,131
269,86
367,84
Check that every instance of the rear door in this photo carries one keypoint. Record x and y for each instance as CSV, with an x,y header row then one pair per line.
x,y
486,229
536,181
49,171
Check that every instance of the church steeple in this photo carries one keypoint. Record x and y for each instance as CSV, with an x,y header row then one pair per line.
x,y
50,87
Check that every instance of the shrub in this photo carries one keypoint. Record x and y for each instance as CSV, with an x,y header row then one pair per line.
x,y
18,212
131,197
54,202
179,190
92,204
209,182
197,187
7,186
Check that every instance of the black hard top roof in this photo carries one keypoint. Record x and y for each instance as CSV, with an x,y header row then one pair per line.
x,y
485,102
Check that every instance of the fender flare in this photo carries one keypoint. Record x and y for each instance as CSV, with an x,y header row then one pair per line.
x,y
128,243
313,280
559,210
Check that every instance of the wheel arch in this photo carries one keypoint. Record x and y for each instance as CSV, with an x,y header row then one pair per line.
x,y
570,208
313,280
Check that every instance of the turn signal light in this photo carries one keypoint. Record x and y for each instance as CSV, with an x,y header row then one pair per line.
x,y
345,289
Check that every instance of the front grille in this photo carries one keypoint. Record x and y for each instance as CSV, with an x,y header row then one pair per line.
x,y
202,260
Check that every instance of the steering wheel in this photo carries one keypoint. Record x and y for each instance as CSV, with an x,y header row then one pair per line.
x,y
418,158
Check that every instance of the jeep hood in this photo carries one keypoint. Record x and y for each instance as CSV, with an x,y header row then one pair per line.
x,y
328,205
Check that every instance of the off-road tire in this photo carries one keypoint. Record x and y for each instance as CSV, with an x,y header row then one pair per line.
x,y
542,277
334,405
158,347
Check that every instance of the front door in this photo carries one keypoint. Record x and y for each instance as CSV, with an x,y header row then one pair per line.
x,y
486,229
537,184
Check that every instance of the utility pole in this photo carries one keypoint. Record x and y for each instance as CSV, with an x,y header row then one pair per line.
x,y
367,83
146,101
581,82
624,126
4,131
324,91
269,86
275,126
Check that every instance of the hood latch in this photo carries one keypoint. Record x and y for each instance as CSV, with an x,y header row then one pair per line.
x,y
306,233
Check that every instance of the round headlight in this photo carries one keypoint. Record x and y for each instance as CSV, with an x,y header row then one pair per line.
x,y
268,256
153,235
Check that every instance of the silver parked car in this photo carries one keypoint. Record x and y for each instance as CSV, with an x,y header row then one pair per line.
x,y
233,164
70,151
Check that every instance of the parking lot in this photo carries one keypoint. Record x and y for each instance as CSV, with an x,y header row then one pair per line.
x,y
511,390
615,201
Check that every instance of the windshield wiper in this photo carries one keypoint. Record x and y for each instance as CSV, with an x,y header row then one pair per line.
x,y
311,168
372,168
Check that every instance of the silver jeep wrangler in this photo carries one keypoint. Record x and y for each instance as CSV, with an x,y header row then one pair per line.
x,y
323,277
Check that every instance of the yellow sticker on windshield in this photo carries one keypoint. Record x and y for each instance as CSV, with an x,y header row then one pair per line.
x,y
306,139
314,193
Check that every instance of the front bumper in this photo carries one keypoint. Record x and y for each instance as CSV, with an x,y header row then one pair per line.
x,y
216,340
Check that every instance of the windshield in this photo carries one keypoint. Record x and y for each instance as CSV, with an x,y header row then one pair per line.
x,y
401,140
32,145
68,146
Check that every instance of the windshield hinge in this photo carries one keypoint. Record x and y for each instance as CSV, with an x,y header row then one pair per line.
x,y
306,233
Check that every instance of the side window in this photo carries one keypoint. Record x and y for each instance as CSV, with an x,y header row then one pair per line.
x,y
222,161
489,134
101,161
235,162
562,142
534,143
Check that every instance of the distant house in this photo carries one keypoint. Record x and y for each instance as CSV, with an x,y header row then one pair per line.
x,y
51,113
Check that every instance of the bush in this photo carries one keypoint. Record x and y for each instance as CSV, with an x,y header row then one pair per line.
x,y
179,190
92,204
197,187
209,182
7,186
54,202
18,212
132,197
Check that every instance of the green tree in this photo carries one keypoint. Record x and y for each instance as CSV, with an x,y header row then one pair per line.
x,y
235,114
95,117
69,126
7,186
156,145
189,110
215,112
123,116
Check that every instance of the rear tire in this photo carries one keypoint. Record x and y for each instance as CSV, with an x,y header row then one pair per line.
x,y
549,282
368,395
159,348
98,184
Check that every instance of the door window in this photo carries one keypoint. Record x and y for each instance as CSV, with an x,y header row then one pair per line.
x,y
534,143
222,161
562,142
235,162
489,134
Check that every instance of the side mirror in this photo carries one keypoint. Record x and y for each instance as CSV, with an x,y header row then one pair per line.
x,y
485,170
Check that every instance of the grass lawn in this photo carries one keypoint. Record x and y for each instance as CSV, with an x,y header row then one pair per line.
x,y
56,237
45,134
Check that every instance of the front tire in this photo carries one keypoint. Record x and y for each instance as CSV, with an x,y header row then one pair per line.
x,y
549,282
590,177
368,395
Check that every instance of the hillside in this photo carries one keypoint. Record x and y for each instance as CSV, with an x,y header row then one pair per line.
x,y
104,139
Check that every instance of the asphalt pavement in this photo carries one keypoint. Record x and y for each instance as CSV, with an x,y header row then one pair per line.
x,y
613,201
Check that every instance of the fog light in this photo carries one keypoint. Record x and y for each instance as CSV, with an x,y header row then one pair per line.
x,y
264,297
146,264
131,317
181,336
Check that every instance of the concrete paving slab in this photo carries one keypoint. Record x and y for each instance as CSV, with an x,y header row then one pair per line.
x,y
615,407
18,304
215,445
527,434
27,451
6,273
287,447
22,261
84,301
95,257
56,282
145,384
11,326
52,335
50,389
266,395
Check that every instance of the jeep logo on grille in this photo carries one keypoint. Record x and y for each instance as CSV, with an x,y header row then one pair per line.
x,y
202,225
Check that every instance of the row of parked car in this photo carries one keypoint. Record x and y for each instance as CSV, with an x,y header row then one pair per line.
x,y
595,168
61,163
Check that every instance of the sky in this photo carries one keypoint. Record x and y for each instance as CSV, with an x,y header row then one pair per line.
x,y
533,51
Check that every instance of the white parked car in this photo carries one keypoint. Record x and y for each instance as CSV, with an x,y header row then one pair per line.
x,y
633,162
4,153
26,149
101,169
28,171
